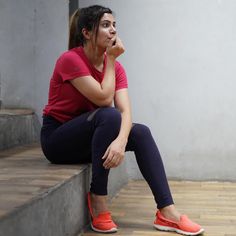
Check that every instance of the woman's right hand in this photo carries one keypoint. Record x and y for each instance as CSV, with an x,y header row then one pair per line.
x,y
115,49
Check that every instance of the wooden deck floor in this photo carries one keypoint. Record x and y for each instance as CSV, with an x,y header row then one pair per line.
x,y
211,204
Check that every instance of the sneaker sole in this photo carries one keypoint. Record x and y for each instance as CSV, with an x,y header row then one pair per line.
x,y
109,231
166,228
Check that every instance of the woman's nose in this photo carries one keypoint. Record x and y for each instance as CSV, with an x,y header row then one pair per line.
x,y
113,30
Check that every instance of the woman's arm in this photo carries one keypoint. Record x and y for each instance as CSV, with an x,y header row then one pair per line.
x,y
101,94
122,103
115,152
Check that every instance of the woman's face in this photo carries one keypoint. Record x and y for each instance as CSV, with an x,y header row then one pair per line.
x,y
106,30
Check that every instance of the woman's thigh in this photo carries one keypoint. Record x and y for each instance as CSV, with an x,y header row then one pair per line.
x,y
69,142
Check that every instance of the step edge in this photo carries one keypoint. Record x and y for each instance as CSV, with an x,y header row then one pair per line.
x,y
42,195
16,112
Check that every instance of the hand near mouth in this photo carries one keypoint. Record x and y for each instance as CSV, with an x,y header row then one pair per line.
x,y
115,47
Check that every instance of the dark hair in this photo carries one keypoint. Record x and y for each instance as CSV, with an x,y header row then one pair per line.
x,y
88,18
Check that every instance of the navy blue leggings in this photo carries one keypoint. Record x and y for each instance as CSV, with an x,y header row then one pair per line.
x,y
86,138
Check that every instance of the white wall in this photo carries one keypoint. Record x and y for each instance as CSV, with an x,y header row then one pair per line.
x,y
180,59
32,36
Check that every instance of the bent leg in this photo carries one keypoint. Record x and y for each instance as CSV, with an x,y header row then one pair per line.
x,y
69,142
84,138
107,122
150,163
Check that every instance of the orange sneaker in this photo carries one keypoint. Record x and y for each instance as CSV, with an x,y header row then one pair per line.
x,y
185,226
103,223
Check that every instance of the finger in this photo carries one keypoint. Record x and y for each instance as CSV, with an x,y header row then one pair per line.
x,y
108,157
108,160
120,44
106,153
111,161
112,41
118,41
115,161
119,160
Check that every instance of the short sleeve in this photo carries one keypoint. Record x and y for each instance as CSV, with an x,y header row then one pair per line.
x,y
70,66
121,78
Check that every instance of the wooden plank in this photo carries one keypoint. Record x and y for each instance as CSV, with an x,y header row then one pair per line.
x,y
211,204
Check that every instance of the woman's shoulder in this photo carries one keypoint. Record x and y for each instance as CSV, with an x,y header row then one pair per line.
x,y
74,53
119,66
71,57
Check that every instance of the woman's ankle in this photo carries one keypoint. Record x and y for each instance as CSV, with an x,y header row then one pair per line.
x,y
170,212
99,203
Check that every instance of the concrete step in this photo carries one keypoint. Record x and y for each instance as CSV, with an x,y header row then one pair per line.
x,y
38,198
18,127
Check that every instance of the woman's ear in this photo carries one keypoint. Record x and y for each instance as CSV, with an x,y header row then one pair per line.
x,y
86,34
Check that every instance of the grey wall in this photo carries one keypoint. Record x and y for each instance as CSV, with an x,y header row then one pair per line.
x,y
32,35
180,60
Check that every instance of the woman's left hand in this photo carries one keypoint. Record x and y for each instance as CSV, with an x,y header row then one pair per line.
x,y
114,154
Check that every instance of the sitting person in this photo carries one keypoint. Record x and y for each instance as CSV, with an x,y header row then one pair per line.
x,y
80,125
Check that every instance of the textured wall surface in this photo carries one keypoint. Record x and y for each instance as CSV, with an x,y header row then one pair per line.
x,y
32,35
18,127
180,60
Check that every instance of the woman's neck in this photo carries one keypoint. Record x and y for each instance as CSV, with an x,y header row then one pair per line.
x,y
94,55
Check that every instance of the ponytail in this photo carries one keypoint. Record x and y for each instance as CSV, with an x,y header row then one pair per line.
x,y
73,30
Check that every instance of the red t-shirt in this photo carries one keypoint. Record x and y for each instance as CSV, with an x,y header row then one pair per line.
x,y
65,102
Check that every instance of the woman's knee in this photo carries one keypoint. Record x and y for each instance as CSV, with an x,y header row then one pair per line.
x,y
140,131
109,115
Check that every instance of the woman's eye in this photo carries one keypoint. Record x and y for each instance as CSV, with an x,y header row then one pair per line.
x,y
105,25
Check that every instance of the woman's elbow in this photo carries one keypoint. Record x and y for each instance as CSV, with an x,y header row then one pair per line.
x,y
107,102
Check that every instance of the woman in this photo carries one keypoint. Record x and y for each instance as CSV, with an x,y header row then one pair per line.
x,y
80,124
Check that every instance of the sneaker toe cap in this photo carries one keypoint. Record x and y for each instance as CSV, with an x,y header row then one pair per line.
x,y
187,225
